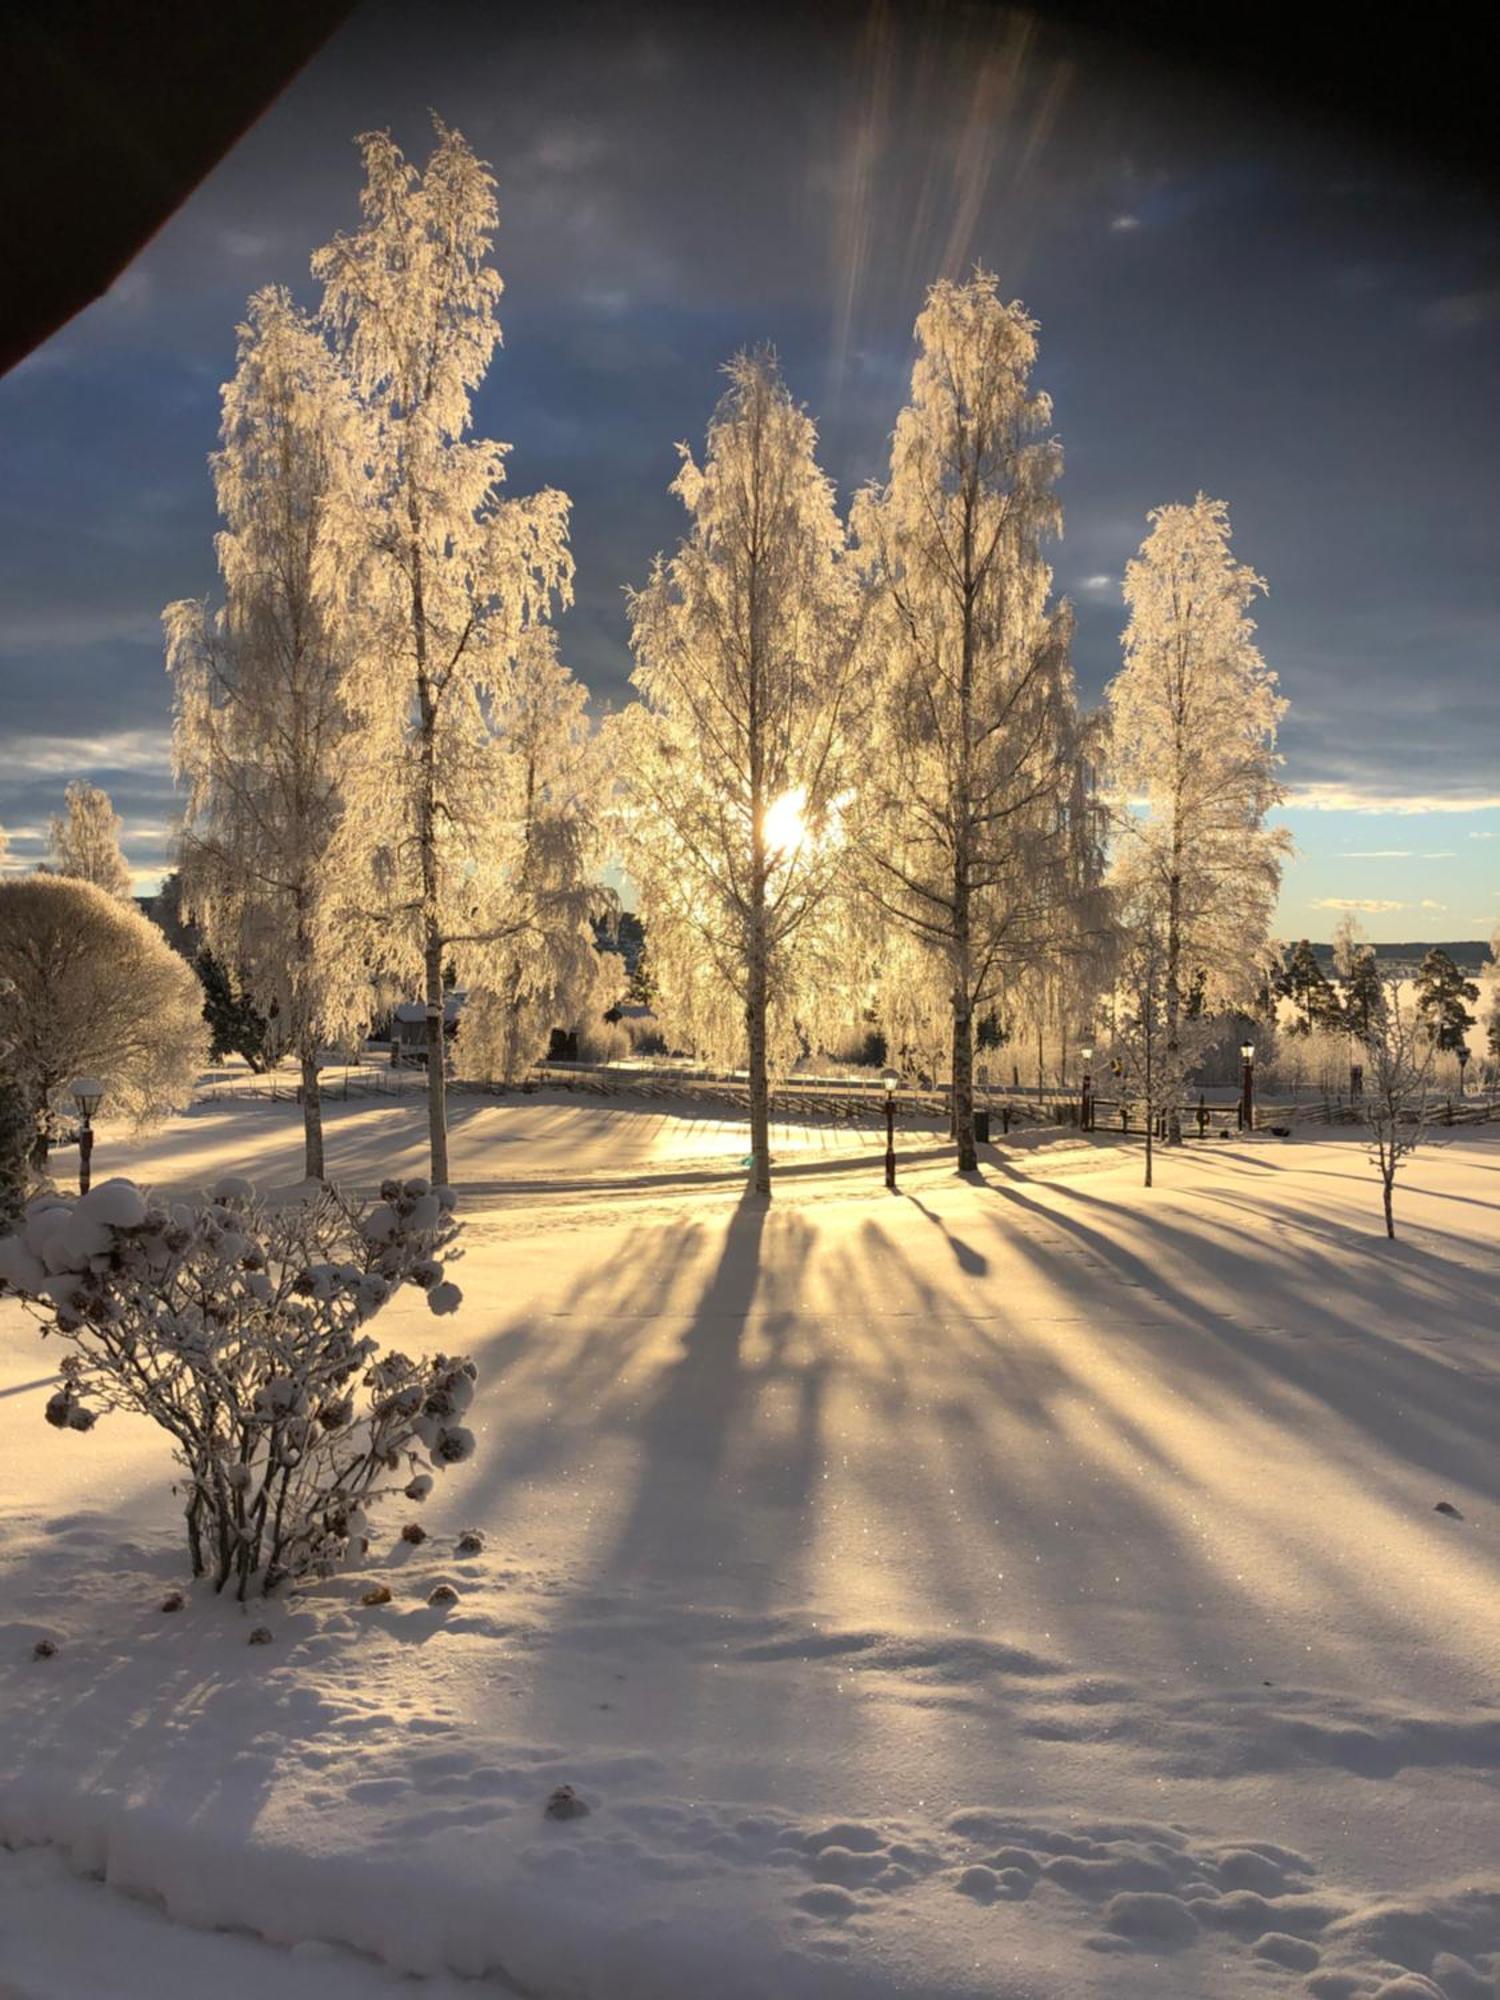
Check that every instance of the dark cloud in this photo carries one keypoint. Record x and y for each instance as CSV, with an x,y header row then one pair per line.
x,y
1227,302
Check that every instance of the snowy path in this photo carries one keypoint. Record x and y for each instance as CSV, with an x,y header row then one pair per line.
x,y
1026,1589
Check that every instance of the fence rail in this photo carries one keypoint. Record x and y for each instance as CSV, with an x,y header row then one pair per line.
x,y
847,1098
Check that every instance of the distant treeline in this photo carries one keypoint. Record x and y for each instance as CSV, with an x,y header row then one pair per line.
x,y
1470,955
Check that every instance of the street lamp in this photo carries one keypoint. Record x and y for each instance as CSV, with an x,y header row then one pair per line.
x,y
889,1079
1247,1087
1463,1066
1086,1103
86,1093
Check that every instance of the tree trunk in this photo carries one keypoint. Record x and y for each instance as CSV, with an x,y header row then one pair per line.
x,y
427,819
1148,1024
437,1061
963,1086
1174,986
760,1088
312,1115
1390,1220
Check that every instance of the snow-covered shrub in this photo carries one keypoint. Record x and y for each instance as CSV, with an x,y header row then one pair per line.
x,y
90,987
239,1329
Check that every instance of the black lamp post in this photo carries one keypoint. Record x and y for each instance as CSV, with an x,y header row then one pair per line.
x,y
1247,1086
87,1092
889,1079
1086,1098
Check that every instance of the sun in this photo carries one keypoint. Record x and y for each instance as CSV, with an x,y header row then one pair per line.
x,y
785,827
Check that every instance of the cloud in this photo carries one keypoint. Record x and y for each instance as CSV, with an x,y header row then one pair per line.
x,y
1428,904
1379,854
68,756
1122,224
1099,585
1349,798
1482,836
246,242
1371,905
1458,312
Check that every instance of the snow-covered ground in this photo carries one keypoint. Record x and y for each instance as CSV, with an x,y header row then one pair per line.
x,y
1023,1588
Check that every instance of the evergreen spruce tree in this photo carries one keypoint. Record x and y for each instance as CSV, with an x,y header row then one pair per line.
x,y
235,1024
17,1135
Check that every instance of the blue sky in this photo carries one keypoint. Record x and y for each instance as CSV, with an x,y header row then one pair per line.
x,y
1227,303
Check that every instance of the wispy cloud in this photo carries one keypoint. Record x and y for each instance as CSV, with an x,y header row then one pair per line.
x,y
1428,904
1350,798
1458,312
1123,224
1371,905
67,756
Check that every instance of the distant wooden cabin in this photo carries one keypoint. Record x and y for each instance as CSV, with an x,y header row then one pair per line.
x,y
409,1027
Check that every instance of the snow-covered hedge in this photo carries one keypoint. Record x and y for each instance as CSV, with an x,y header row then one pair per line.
x,y
237,1328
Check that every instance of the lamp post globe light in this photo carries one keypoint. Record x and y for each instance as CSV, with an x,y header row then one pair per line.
x,y
889,1079
87,1093
1086,1097
1247,1086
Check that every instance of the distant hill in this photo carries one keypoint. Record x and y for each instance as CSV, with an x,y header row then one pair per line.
x,y
1470,955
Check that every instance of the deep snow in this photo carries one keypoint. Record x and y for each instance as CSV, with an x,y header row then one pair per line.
x,y
1026,1588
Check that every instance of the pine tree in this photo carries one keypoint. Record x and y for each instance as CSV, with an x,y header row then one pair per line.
x,y
982,838
449,573
85,841
1443,995
261,731
1308,987
1193,717
736,761
1364,991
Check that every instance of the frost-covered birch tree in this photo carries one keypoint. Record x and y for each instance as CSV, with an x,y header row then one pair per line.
x,y
1400,1056
981,830
737,762
261,734
1193,716
85,840
547,971
451,575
